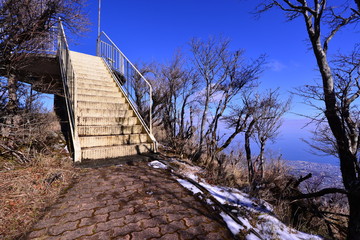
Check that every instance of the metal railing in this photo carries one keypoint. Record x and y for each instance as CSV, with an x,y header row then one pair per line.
x,y
49,44
136,88
69,86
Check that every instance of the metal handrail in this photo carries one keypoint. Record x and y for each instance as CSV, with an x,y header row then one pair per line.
x,y
124,69
69,85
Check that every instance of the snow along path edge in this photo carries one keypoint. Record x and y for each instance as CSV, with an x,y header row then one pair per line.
x,y
204,194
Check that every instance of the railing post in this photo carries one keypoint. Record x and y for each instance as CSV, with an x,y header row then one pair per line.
x,y
99,31
150,114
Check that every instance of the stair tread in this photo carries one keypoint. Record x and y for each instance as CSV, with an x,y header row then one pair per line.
x,y
115,146
114,135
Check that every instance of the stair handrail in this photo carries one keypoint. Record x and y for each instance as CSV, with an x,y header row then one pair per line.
x,y
116,60
69,86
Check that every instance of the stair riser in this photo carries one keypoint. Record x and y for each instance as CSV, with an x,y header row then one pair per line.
x,y
105,113
104,106
87,59
98,81
101,85
114,152
92,66
100,93
90,70
95,75
87,87
113,140
109,130
102,99
85,121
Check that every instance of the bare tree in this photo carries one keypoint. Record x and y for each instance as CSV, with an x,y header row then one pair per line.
x,y
223,75
339,118
27,28
261,118
182,84
267,126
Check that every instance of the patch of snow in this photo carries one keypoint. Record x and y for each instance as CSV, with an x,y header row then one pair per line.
x,y
252,236
192,176
66,149
247,210
189,186
157,164
234,197
208,201
271,228
232,225
245,221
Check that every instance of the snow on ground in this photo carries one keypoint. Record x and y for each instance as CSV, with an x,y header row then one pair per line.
x,y
157,164
252,213
189,186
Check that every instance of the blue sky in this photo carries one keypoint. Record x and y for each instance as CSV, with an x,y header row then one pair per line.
x,y
152,31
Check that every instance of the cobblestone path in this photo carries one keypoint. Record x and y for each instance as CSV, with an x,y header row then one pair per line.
x,y
131,201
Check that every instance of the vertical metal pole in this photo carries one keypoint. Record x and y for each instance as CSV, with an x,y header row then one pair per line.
x,y
98,36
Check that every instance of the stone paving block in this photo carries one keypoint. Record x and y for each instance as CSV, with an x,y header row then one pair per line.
x,y
79,232
171,227
185,234
135,202
86,197
122,213
171,236
73,216
150,223
91,205
126,237
215,236
176,216
46,222
137,217
126,229
93,220
196,221
37,234
106,210
211,227
97,236
108,225
193,230
142,208
56,230
147,233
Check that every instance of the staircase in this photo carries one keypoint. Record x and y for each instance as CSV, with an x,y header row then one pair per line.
x,y
107,126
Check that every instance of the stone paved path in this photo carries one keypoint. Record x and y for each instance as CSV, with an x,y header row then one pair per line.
x,y
129,202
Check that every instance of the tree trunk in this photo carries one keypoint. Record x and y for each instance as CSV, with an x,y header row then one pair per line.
x,y
261,159
347,158
248,152
11,121
12,94
354,220
199,152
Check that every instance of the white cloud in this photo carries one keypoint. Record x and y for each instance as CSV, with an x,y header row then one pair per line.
x,y
276,65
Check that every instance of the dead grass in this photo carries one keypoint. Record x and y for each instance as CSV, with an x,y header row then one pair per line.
x,y
27,191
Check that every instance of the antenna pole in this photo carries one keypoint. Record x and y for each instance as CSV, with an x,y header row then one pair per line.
x,y
98,33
